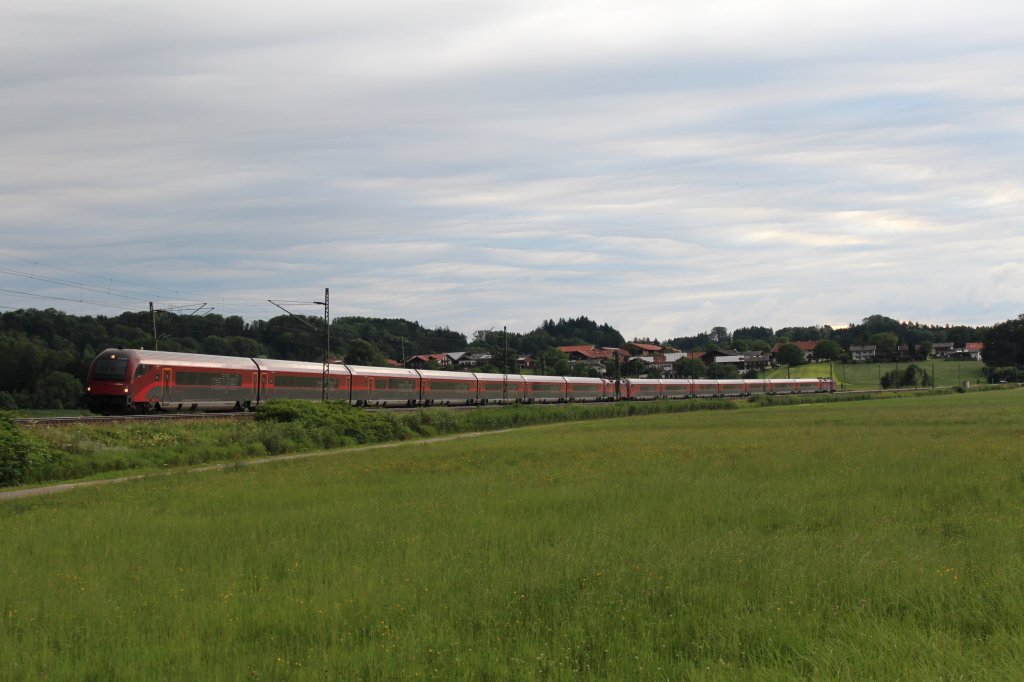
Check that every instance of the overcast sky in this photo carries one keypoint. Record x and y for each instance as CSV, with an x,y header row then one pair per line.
x,y
664,167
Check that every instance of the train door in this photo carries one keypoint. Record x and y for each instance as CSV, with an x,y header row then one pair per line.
x,y
166,385
260,384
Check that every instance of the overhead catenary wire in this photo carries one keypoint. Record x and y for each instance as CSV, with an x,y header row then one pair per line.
x,y
61,298
144,287
140,292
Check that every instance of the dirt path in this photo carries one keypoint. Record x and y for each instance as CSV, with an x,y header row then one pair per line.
x,y
65,487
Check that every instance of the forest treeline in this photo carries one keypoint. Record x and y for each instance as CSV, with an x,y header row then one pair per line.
x,y
45,354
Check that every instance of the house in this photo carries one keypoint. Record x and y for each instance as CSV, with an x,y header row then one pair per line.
x,y
443,360
744,361
806,347
943,349
593,356
970,351
666,361
642,349
863,353
663,362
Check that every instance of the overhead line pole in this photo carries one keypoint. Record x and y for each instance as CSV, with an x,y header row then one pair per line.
x,y
326,303
327,345
152,314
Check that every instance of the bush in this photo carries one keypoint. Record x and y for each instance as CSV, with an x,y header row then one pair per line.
x,y
57,390
7,401
997,375
15,451
329,425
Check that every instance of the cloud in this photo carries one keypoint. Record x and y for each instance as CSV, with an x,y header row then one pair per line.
x,y
663,167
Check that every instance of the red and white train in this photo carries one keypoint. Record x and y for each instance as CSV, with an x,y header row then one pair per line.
x,y
142,381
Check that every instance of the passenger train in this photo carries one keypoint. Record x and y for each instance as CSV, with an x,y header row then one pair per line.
x,y
139,381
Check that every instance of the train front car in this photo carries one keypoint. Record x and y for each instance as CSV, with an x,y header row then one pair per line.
x,y
108,386
122,381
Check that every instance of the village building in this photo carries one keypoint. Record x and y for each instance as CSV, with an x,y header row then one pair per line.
x,y
863,353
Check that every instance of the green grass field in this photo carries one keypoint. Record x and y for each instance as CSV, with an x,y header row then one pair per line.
x,y
865,376
867,540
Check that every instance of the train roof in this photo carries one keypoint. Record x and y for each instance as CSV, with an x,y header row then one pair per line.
x,y
511,378
168,358
401,372
543,379
297,366
585,380
450,376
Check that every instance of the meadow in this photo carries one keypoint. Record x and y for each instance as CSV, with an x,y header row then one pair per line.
x,y
865,540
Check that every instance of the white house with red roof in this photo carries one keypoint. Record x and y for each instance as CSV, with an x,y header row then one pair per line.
x,y
806,347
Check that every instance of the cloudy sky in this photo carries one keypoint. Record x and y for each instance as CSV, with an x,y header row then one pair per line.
x,y
662,166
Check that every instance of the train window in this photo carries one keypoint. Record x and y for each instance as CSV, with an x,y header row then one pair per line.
x,y
493,387
448,386
110,369
288,381
208,379
398,384
141,370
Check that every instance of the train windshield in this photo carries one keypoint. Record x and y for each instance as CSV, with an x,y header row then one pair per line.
x,y
110,369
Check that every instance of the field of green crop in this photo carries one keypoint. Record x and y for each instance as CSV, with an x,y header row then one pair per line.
x,y
867,540
865,376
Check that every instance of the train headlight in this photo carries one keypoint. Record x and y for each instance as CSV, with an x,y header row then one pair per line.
x,y
125,389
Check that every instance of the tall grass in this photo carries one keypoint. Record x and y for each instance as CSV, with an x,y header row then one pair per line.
x,y
865,540
77,451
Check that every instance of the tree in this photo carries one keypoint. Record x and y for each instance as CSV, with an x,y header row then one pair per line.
x,y
57,390
361,352
1004,344
552,362
827,349
722,370
573,331
886,344
789,354
635,367
689,368
764,334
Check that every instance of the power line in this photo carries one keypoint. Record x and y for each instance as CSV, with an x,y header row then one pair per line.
x,y
252,305
66,283
61,298
144,287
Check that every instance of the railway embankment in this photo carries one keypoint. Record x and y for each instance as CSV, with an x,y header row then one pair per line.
x,y
33,454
